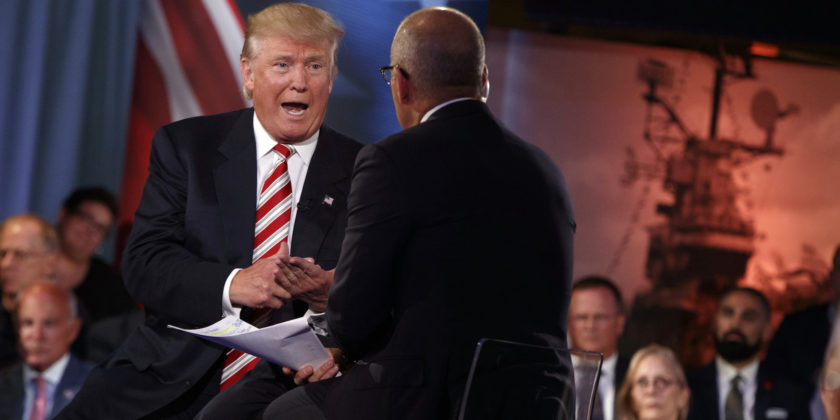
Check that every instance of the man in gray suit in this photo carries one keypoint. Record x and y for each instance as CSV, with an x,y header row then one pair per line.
x,y
48,377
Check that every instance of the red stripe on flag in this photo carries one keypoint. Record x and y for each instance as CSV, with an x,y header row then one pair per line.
x,y
202,56
149,110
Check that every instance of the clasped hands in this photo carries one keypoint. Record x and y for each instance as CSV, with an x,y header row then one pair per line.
x,y
271,281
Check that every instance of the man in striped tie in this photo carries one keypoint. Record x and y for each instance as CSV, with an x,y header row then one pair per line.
x,y
227,196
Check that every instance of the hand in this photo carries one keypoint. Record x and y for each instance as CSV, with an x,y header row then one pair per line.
x,y
256,286
307,374
304,279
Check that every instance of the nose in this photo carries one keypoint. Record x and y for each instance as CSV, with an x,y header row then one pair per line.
x,y
7,259
33,332
298,78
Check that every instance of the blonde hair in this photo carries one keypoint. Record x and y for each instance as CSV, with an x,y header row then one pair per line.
x,y
624,399
295,21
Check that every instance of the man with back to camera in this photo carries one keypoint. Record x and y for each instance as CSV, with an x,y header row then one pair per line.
x,y
596,321
214,213
48,376
457,230
737,385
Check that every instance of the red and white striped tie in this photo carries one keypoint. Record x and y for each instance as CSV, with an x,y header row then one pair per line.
x,y
274,212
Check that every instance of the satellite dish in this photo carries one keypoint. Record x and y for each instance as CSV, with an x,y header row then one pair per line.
x,y
765,109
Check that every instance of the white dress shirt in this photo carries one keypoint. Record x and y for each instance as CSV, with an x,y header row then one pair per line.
x,y
606,386
298,164
748,387
439,106
52,376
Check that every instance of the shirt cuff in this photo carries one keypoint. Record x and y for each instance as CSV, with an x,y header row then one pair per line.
x,y
227,307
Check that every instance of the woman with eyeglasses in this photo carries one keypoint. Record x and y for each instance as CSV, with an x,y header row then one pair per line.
x,y
654,388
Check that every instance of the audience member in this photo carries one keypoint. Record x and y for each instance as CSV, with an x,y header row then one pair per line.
x,y
654,388
596,320
434,257
736,385
83,223
801,343
28,252
830,377
49,375
214,181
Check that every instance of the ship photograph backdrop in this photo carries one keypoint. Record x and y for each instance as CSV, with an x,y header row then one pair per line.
x,y
690,172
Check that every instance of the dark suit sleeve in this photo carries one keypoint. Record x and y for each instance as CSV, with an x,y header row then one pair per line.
x,y
160,270
359,307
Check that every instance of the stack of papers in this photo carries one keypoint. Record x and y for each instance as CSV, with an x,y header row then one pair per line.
x,y
291,343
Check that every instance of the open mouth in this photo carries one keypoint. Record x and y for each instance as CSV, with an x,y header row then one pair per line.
x,y
295,108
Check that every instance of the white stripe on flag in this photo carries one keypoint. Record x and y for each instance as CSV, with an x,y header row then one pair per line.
x,y
155,32
230,33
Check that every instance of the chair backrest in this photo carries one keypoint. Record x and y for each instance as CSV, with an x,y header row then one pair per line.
x,y
511,380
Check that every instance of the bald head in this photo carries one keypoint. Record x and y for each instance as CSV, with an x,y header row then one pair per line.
x,y
47,323
442,51
28,253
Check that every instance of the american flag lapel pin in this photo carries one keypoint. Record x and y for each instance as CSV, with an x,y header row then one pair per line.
x,y
328,200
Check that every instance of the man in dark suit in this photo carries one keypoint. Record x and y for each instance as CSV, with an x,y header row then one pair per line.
x,y
49,376
596,321
457,230
189,258
799,347
736,385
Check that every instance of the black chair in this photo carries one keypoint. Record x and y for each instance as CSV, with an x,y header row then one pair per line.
x,y
511,380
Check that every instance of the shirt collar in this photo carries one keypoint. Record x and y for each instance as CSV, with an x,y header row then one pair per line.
x,y
608,367
265,143
748,373
53,373
432,111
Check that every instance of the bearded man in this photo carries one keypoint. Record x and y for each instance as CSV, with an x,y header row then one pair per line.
x,y
736,385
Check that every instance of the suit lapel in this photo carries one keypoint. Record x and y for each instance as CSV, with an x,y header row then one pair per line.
x,y
316,209
236,185
762,395
71,381
707,402
11,392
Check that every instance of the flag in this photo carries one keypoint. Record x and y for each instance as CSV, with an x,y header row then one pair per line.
x,y
187,64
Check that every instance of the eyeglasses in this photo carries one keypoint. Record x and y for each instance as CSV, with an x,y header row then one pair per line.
x,y
91,222
659,383
386,72
19,254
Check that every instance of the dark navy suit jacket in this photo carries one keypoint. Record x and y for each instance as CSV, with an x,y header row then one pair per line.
x,y
774,399
194,225
457,230
12,388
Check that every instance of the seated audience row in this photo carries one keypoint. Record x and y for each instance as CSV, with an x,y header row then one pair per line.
x,y
736,385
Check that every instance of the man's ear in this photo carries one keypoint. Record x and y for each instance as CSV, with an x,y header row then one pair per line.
x,y
404,93
485,85
247,73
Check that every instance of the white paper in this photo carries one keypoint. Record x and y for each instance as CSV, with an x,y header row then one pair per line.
x,y
291,343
